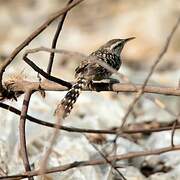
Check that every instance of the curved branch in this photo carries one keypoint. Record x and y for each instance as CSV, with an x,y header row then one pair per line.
x,y
46,75
54,42
22,133
79,130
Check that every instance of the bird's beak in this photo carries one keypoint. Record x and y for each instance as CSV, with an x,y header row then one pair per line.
x,y
128,39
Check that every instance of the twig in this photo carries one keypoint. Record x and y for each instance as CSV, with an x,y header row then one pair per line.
x,y
23,148
173,132
161,54
44,74
77,164
44,162
79,130
54,42
59,51
161,105
104,157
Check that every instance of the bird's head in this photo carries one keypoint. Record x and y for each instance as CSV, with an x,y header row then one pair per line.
x,y
116,45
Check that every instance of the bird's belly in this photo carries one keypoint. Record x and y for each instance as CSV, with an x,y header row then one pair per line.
x,y
102,74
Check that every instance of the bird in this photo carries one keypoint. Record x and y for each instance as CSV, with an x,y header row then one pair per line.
x,y
90,70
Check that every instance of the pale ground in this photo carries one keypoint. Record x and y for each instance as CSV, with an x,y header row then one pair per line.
x,y
87,27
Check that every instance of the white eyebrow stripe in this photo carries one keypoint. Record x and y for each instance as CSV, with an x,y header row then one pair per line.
x,y
116,44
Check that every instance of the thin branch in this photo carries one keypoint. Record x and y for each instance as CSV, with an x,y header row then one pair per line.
x,y
22,133
104,157
173,132
77,164
54,42
59,51
160,104
45,75
156,62
44,161
79,130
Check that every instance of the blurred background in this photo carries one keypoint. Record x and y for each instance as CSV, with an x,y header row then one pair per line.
x,y
88,26
94,22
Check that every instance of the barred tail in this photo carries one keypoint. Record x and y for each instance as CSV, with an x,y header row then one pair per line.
x,y
70,98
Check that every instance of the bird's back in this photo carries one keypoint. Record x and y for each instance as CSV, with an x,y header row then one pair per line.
x,y
91,70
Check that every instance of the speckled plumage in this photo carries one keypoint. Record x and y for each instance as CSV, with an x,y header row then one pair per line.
x,y
89,70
